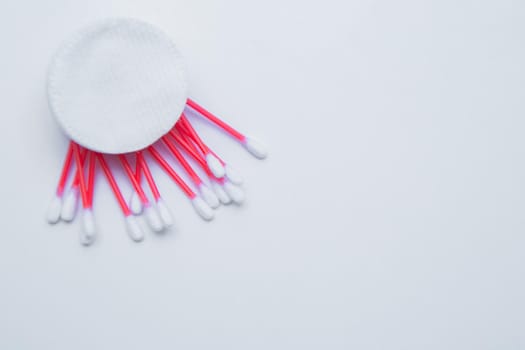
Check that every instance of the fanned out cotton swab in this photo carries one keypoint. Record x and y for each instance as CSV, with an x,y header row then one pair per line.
x,y
253,146
164,212
190,149
152,216
213,163
205,192
134,230
87,234
135,204
55,206
70,202
190,133
223,188
200,206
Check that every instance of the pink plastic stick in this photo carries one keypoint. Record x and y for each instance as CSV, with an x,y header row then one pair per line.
x,y
147,174
133,179
65,170
184,125
190,148
76,179
91,178
80,172
215,120
113,185
138,168
195,178
169,170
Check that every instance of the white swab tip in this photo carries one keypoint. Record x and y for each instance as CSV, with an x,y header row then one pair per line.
x,y
88,233
134,230
221,194
70,204
233,175
53,210
255,147
153,218
164,212
135,204
208,196
215,165
202,208
235,192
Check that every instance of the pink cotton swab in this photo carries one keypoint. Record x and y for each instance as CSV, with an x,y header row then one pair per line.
x,y
234,192
134,230
55,206
205,192
190,133
164,212
213,163
87,235
70,203
135,203
152,216
200,206
216,183
253,146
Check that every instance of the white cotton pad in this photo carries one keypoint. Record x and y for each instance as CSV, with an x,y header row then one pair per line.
x,y
117,86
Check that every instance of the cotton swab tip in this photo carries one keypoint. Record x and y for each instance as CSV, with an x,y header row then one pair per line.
x,y
202,208
53,210
221,194
208,196
256,148
134,230
135,204
164,212
88,233
235,192
233,175
70,204
153,219
215,165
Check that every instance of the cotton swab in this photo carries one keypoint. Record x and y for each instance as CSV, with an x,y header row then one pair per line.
x,y
88,221
55,206
253,146
70,203
164,212
191,134
134,230
205,192
152,216
135,203
190,149
213,163
217,183
200,206
235,193
87,235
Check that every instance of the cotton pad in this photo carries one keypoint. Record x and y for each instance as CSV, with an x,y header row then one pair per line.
x,y
118,90
117,86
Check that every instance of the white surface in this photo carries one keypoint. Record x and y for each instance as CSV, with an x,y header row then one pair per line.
x,y
117,85
407,234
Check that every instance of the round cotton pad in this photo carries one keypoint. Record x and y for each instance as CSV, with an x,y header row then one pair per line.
x,y
117,86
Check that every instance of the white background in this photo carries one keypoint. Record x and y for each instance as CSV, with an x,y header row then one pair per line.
x,y
389,215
